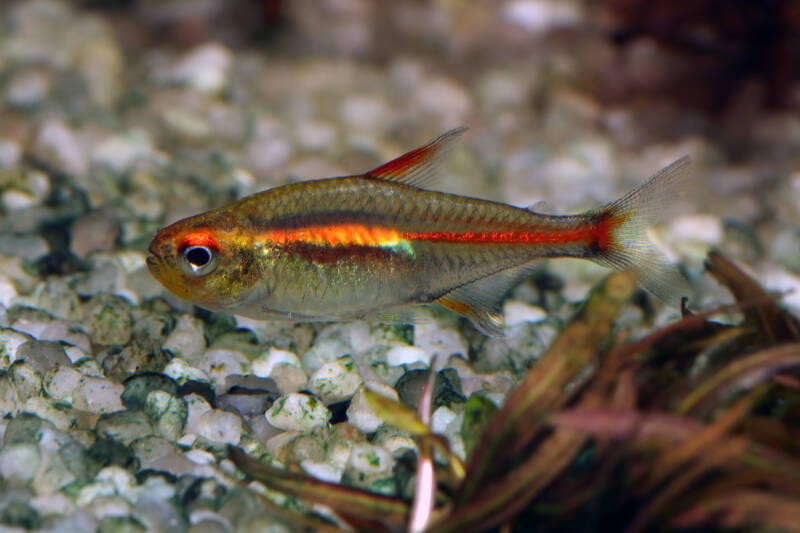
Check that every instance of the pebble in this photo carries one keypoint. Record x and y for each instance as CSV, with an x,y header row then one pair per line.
x,y
94,231
60,146
220,426
219,364
50,410
27,380
246,402
541,16
139,387
324,350
10,342
205,68
196,406
181,372
288,377
167,413
29,88
97,395
370,467
335,381
701,228
108,319
124,426
30,247
187,339
361,414
516,312
60,382
10,153
126,151
298,412
19,462
441,419
8,292
56,297
266,361
437,341
407,355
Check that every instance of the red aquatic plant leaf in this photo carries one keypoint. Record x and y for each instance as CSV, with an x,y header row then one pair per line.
x,y
774,323
545,387
742,374
742,509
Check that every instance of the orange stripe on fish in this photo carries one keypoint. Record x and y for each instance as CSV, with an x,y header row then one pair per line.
x,y
336,235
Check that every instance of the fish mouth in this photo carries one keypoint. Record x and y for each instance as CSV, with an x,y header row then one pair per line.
x,y
154,261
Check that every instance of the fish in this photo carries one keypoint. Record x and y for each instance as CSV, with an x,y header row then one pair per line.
x,y
376,245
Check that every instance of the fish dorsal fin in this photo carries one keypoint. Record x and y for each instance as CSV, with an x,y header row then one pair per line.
x,y
480,300
420,167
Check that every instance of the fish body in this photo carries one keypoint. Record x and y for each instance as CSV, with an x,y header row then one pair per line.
x,y
371,245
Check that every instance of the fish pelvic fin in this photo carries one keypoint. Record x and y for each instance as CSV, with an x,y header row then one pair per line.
x,y
628,246
420,167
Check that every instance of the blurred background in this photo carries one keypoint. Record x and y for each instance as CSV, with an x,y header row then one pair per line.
x,y
141,112
117,400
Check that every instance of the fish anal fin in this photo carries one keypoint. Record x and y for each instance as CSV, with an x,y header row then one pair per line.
x,y
480,300
420,167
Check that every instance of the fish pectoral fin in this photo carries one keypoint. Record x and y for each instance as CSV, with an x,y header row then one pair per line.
x,y
420,167
480,300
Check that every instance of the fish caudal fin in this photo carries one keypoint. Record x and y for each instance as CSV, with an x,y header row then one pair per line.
x,y
629,247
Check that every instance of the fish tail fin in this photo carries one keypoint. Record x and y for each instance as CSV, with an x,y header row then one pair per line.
x,y
628,246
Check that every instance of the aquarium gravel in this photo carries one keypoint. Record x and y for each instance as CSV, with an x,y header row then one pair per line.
x,y
118,400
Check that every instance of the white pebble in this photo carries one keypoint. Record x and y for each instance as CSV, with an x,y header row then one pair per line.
x,y
97,395
298,412
221,363
540,16
288,377
263,364
60,382
9,153
407,355
439,342
205,68
701,228
187,339
323,471
370,458
19,462
181,371
441,418
517,312
10,341
8,293
196,406
335,381
220,426
361,414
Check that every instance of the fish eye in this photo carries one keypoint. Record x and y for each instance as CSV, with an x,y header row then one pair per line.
x,y
198,260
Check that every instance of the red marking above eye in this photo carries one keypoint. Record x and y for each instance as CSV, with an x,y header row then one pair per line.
x,y
200,238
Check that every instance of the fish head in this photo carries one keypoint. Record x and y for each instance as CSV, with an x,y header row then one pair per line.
x,y
207,260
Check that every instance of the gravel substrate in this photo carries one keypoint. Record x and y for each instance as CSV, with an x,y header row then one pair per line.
x,y
118,400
